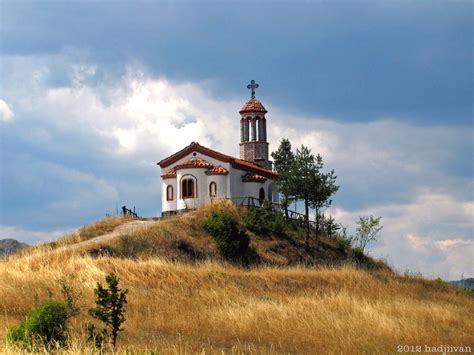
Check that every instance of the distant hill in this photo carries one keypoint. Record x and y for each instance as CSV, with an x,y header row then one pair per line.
x,y
464,283
10,246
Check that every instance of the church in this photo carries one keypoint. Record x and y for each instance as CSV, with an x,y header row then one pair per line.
x,y
196,175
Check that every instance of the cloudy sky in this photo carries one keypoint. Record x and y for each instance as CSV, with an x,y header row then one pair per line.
x,y
93,94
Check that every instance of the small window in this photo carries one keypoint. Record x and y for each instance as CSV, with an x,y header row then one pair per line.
x,y
212,189
261,195
169,193
187,188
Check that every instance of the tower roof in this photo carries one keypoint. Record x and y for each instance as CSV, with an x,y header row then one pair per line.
x,y
253,105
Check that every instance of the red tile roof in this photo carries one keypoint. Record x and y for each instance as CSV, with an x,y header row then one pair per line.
x,y
217,170
235,162
170,174
193,147
249,177
194,163
253,105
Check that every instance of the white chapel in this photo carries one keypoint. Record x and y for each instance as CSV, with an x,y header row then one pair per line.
x,y
196,174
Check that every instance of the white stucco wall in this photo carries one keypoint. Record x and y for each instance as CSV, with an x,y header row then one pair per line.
x,y
221,184
168,205
200,187
228,186
244,189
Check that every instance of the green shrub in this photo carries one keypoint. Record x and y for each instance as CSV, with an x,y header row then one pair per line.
x,y
358,254
257,221
359,257
17,333
46,322
231,240
343,244
265,222
110,309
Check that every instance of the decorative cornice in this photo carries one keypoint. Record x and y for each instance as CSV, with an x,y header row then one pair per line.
x,y
217,170
253,178
170,174
194,163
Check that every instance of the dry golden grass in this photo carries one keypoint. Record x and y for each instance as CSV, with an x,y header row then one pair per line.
x,y
212,307
100,227
89,231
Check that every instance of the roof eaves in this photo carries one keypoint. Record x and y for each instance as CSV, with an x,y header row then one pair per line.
x,y
194,146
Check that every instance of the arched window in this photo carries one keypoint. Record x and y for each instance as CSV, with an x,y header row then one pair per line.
x,y
212,189
169,193
261,195
187,188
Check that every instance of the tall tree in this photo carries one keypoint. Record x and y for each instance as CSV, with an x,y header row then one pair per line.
x,y
283,160
322,190
302,181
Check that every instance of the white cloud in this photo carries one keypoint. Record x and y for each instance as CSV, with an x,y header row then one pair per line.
x,y
450,243
431,235
6,112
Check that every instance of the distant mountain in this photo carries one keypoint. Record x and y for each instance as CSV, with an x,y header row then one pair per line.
x,y
464,283
10,246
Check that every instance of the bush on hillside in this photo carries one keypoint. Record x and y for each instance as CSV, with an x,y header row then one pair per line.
x,y
344,245
46,323
110,304
265,222
231,240
360,259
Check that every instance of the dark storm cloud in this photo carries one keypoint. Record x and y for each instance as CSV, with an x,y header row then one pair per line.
x,y
350,60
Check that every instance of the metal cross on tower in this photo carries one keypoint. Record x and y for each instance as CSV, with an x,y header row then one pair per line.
x,y
252,86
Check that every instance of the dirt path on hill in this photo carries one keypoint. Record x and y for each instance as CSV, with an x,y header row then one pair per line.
x,y
118,231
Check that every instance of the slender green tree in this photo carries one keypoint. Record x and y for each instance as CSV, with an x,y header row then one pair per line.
x,y
323,188
110,306
302,181
329,225
283,160
301,177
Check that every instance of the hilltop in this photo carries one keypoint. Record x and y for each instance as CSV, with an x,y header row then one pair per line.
x,y
183,297
182,238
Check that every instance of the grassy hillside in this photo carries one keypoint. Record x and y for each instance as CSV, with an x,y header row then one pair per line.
x,y
182,238
212,306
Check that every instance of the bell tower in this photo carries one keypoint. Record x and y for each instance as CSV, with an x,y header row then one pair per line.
x,y
253,131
